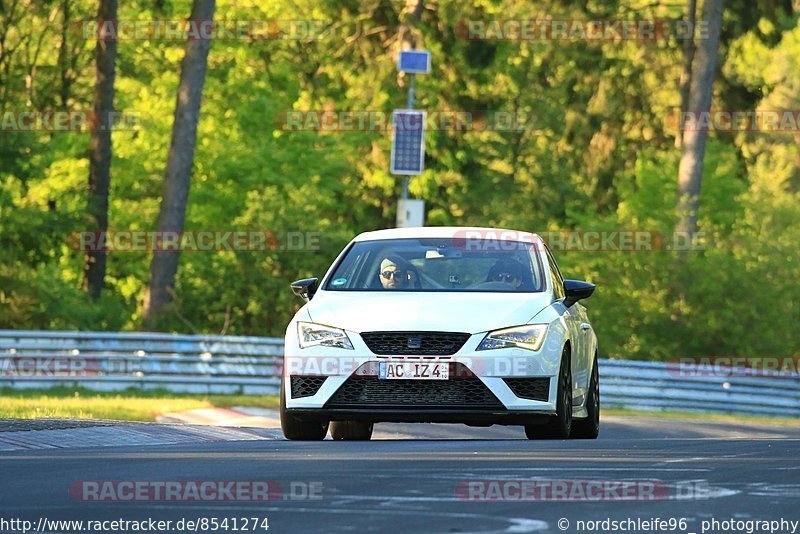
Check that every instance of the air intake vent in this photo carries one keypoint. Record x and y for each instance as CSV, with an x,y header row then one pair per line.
x,y
306,386
415,343
530,388
463,390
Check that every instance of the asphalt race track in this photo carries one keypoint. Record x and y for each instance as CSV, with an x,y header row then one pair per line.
x,y
416,478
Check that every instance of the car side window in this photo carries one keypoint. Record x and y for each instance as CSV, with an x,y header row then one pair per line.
x,y
555,276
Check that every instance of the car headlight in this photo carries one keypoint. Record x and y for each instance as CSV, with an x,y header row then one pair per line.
x,y
311,334
528,337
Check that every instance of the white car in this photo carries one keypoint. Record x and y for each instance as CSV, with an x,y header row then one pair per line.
x,y
441,324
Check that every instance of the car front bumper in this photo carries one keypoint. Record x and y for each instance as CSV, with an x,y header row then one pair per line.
x,y
484,386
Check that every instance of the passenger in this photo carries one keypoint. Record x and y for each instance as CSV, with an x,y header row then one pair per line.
x,y
506,271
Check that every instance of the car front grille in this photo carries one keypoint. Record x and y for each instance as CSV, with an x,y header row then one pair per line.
x,y
415,343
530,388
463,390
306,386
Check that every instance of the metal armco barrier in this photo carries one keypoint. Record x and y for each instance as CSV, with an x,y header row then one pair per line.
x,y
251,365
660,386
118,361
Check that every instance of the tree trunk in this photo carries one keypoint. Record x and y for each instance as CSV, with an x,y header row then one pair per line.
x,y
686,73
690,172
63,56
94,269
180,160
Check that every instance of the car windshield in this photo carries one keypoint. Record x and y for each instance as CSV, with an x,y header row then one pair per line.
x,y
439,265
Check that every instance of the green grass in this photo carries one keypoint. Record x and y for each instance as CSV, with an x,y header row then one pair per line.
x,y
137,405
723,418
129,405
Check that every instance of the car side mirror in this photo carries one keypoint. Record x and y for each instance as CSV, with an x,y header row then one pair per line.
x,y
305,288
576,290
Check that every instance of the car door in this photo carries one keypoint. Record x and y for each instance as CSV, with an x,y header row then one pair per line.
x,y
587,333
574,320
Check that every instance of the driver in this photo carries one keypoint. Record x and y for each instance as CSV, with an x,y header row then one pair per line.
x,y
395,273
506,271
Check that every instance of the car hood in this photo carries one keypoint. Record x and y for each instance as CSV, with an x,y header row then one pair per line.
x,y
366,311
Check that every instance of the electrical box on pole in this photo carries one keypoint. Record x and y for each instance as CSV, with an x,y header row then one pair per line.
x,y
410,212
408,143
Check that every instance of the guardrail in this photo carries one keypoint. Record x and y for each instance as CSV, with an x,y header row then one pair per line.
x,y
251,365
660,386
118,361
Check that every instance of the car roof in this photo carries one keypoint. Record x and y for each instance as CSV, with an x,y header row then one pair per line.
x,y
465,232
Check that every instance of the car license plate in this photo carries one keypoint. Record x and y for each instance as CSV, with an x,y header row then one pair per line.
x,y
414,371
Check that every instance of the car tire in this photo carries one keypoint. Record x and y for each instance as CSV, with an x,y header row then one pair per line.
x,y
351,430
559,426
589,428
297,429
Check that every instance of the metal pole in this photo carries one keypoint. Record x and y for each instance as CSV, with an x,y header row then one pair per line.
x,y
409,105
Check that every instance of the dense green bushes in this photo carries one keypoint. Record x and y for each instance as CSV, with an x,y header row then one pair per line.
x,y
599,156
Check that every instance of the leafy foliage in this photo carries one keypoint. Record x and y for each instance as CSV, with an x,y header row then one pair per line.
x,y
597,154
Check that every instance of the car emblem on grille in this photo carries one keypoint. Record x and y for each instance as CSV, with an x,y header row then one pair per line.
x,y
414,342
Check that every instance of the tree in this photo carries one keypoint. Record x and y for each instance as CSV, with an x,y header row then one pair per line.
x,y
94,269
690,171
180,160
688,57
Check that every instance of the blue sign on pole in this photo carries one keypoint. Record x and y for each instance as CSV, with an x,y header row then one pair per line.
x,y
414,61
408,144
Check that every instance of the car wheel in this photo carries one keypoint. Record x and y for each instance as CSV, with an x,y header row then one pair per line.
x,y
589,428
297,429
559,426
351,430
